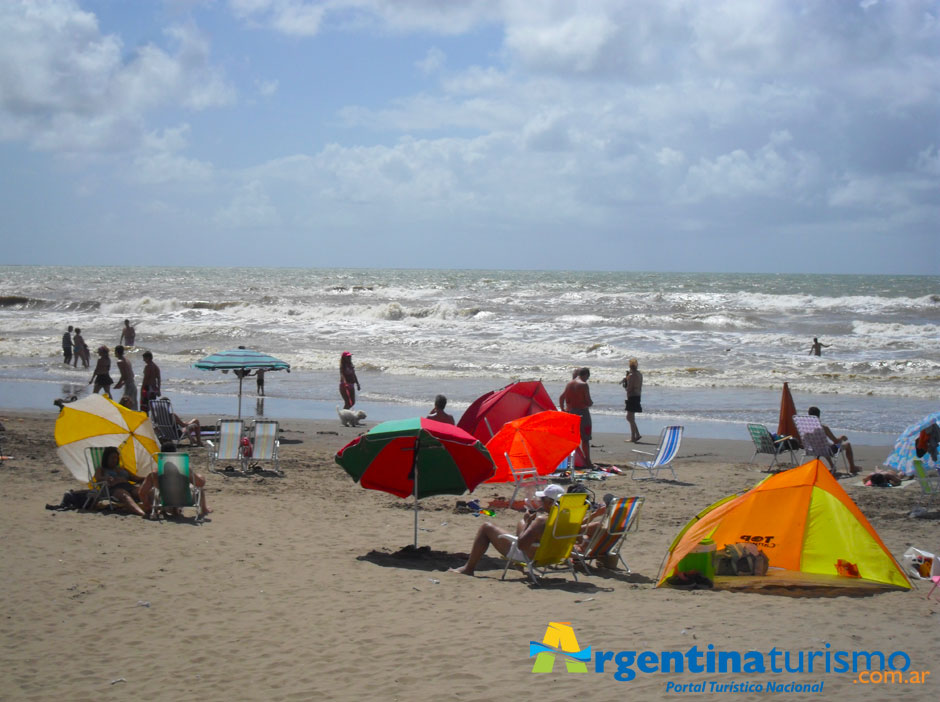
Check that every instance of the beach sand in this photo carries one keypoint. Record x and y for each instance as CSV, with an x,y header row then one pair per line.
x,y
295,590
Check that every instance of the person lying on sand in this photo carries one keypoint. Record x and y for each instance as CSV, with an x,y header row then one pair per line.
x,y
883,478
529,530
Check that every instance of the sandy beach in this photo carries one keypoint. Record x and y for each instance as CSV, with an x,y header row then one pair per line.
x,y
296,590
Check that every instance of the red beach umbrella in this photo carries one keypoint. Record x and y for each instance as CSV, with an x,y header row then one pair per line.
x,y
785,425
418,457
540,440
491,411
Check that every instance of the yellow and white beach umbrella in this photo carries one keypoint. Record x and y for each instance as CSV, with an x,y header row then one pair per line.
x,y
97,421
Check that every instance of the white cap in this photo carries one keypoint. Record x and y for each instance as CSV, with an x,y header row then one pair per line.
x,y
552,492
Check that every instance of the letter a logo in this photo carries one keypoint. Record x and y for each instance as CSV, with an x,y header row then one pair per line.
x,y
559,640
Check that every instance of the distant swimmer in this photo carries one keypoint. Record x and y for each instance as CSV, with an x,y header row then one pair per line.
x,y
128,334
817,347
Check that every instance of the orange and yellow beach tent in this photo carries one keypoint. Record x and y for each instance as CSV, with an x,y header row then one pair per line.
x,y
811,531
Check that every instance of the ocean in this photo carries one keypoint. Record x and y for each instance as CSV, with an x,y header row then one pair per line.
x,y
714,349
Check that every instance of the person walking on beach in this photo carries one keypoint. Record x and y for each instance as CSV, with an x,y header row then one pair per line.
x,y
633,384
128,334
347,379
129,398
79,350
259,380
817,347
67,345
150,384
102,375
438,414
576,399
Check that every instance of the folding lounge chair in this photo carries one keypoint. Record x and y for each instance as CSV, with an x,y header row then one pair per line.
x,y
98,491
929,484
622,516
164,426
765,443
524,478
265,443
815,442
561,531
669,442
175,488
227,446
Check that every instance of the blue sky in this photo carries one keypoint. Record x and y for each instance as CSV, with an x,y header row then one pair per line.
x,y
729,135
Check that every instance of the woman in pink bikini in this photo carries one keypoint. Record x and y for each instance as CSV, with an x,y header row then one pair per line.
x,y
347,379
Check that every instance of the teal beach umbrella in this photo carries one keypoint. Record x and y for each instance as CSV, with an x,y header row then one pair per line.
x,y
241,361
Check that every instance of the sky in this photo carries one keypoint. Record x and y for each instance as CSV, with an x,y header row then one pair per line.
x,y
665,135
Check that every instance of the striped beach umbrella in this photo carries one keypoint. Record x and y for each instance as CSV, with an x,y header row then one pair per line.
x,y
96,421
241,361
419,457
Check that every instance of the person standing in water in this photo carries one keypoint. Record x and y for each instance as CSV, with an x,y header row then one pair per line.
x,y
67,345
102,375
817,347
633,384
128,334
79,349
347,379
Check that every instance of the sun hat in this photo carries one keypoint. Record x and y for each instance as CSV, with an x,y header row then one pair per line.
x,y
552,492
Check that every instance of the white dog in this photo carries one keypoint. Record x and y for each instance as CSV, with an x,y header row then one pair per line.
x,y
350,418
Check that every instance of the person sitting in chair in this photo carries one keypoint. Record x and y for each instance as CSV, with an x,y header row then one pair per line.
x,y
119,480
192,430
840,443
529,530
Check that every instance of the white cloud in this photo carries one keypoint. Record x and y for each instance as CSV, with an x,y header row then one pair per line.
x,y
65,86
432,62
250,208
160,160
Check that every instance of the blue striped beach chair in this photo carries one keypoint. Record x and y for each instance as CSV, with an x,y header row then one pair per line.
x,y
669,442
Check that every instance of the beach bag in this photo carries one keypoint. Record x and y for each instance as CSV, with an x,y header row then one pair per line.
x,y
73,499
921,564
741,559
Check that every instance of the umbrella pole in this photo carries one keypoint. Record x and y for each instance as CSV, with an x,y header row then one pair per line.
x,y
240,378
414,472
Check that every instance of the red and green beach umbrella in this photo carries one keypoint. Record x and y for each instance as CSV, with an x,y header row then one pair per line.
x,y
418,457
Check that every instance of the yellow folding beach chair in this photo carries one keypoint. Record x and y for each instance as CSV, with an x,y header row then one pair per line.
x,y
554,549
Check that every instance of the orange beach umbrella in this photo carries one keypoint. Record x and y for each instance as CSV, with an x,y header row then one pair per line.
x,y
540,440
